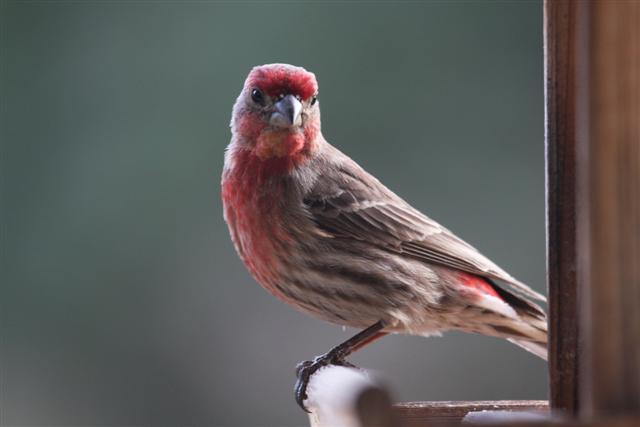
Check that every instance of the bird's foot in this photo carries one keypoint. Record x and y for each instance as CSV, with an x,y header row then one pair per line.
x,y
304,371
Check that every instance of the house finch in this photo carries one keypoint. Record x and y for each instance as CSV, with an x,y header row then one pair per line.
x,y
325,236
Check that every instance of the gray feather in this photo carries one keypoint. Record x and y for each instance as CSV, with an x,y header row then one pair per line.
x,y
349,202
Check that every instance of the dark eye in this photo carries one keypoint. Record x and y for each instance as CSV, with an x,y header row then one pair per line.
x,y
256,95
314,99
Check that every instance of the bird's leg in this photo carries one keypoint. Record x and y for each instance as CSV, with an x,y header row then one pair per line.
x,y
335,356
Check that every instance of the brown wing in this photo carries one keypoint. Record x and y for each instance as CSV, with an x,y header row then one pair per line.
x,y
348,202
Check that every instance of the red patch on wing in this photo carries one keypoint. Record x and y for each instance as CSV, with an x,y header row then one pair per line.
x,y
478,283
276,79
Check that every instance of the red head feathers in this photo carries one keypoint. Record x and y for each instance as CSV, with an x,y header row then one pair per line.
x,y
276,79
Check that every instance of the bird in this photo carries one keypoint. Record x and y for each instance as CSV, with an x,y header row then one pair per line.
x,y
323,235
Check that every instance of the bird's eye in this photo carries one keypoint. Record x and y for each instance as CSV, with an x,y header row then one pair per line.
x,y
257,96
314,99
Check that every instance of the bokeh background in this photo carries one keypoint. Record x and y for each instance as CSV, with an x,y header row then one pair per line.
x,y
123,301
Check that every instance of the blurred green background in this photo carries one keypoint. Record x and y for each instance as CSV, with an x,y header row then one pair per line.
x,y
123,301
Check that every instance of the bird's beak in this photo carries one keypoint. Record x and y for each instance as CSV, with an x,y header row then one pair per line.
x,y
287,112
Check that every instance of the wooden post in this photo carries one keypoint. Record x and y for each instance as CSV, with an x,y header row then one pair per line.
x,y
564,44
611,228
592,64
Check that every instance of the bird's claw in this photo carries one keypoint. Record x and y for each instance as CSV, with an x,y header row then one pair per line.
x,y
304,371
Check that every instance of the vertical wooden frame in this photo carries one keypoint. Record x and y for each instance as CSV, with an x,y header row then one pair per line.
x,y
564,89
592,65
611,272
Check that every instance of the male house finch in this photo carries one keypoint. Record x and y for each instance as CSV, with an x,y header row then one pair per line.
x,y
323,235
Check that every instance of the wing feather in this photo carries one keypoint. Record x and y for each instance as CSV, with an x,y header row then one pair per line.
x,y
349,203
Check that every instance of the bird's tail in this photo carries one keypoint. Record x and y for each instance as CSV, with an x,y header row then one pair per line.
x,y
524,331
529,329
538,348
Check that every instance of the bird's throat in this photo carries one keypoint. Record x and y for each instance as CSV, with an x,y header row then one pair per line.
x,y
279,143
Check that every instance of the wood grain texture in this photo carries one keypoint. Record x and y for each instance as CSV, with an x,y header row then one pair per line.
x,y
413,414
610,422
612,271
563,45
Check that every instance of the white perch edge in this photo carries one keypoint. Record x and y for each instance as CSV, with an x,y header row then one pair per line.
x,y
347,397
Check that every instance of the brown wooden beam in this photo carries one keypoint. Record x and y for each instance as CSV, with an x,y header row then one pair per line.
x,y
564,44
611,267
414,414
